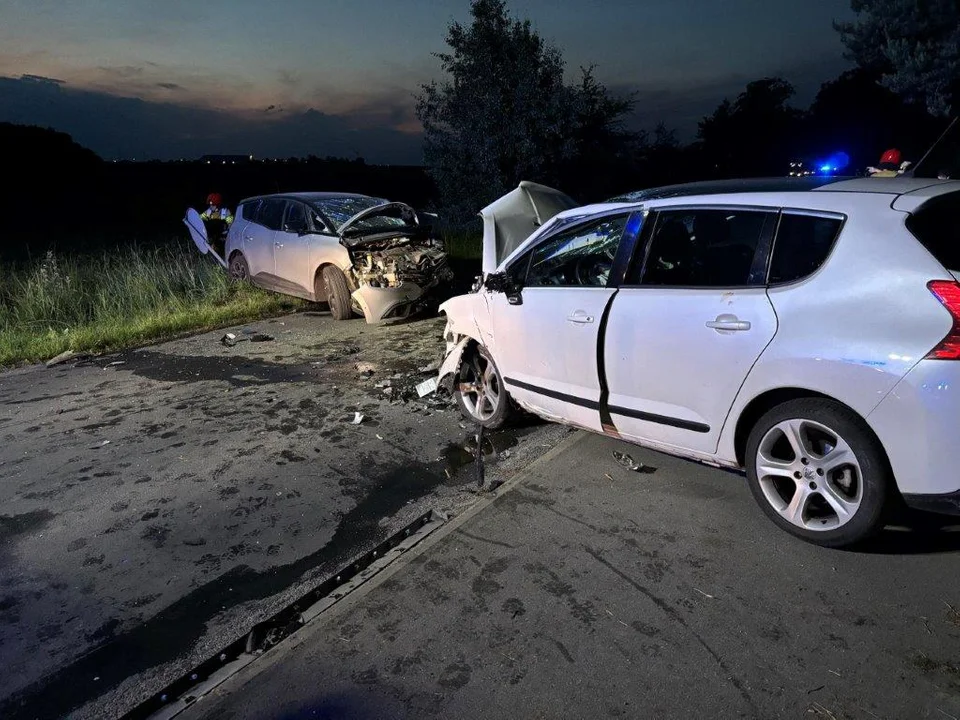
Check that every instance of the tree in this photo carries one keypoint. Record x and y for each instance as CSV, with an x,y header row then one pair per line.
x,y
753,135
505,113
914,44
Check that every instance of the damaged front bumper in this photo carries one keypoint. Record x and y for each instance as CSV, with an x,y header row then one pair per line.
x,y
395,281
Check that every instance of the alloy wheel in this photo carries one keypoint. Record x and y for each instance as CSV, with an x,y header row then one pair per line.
x,y
809,475
480,388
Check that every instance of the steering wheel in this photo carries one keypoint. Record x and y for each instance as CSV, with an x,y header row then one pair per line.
x,y
592,271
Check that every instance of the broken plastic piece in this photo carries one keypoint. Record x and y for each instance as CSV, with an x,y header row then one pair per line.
x,y
61,358
432,367
427,387
261,337
357,419
628,462
229,339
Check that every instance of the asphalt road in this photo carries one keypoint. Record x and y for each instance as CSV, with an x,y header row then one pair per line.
x,y
589,591
157,503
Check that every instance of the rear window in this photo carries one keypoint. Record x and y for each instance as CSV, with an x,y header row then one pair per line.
x,y
802,246
937,226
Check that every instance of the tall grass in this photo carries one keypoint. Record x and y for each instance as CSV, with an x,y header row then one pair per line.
x,y
119,299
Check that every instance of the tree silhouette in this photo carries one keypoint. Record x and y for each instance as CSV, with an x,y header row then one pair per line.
x,y
753,135
914,44
505,113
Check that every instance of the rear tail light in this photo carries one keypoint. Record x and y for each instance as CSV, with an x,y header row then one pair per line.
x,y
948,293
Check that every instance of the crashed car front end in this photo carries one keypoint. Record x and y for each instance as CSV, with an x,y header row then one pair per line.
x,y
393,278
395,262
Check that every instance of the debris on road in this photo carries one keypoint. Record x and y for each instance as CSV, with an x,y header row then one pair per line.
x,y
357,418
261,337
115,363
366,368
61,358
627,461
229,339
478,458
100,445
704,594
432,367
427,387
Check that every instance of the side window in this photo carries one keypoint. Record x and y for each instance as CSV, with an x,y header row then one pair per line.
x,y
249,211
581,257
802,245
707,248
271,213
296,218
935,226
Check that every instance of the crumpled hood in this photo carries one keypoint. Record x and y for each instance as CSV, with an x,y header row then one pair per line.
x,y
513,218
396,209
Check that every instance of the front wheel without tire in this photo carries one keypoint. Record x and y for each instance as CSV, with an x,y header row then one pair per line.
x,y
818,472
338,294
480,392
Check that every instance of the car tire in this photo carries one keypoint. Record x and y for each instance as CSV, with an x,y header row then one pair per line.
x,y
835,492
338,294
239,270
489,395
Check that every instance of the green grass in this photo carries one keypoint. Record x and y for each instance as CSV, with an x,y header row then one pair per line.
x,y
119,299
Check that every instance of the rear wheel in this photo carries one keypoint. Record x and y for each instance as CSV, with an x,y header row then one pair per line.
x,y
480,392
338,294
239,270
818,472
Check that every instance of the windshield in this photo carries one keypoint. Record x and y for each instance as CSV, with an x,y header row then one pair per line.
x,y
340,209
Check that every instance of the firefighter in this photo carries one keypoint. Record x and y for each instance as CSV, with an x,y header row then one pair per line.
x,y
217,220
891,165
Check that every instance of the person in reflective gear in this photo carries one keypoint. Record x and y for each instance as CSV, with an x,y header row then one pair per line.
x,y
217,219
214,210
891,165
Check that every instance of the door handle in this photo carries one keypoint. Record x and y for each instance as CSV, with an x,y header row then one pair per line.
x,y
580,317
728,322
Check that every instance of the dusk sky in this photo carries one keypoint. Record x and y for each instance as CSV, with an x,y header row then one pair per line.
x,y
165,79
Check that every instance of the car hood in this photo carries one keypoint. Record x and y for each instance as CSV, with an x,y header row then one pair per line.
x,y
390,208
513,218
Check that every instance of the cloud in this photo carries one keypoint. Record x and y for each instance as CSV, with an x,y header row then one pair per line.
x,y
124,127
169,86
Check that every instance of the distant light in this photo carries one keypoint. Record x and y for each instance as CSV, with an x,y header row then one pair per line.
x,y
826,168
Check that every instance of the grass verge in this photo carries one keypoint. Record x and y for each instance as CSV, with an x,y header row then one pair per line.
x,y
119,299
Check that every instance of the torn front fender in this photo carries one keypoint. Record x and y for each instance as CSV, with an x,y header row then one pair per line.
x,y
451,364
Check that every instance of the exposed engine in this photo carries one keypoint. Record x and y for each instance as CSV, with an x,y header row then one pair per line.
x,y
400,261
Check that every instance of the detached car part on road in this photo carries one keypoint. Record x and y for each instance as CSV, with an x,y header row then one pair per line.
x,y
806,331
356,253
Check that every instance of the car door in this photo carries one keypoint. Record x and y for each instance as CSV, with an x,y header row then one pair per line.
x,y
292,248
687,325
545,338
258,238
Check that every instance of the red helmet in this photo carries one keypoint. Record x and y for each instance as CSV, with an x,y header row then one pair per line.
x,y
214,199
891,156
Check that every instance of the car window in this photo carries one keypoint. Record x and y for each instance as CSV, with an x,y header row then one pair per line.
x,y
936,226
296,216
249,211
580,257
338,209
271,213
706,248
802,245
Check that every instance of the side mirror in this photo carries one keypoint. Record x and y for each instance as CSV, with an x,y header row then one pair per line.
x,y
501,282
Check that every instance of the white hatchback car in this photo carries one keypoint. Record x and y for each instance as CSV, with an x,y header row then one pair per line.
x,y
806,331
359,254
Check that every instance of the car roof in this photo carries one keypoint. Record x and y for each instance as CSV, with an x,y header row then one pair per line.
x,y
894,187
307,196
